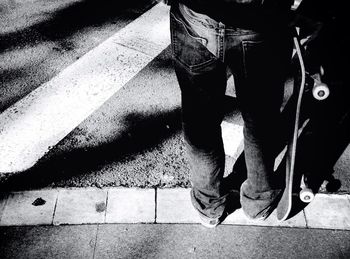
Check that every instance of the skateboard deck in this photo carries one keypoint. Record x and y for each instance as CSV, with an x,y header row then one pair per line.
x,y
319,91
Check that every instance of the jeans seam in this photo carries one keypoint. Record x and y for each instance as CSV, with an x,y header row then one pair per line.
x,y
222,45
245,43
244,60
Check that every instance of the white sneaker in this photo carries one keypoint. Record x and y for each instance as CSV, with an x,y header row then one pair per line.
x,y
209,222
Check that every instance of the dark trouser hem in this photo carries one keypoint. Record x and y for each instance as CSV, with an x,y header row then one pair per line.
x,y
257,204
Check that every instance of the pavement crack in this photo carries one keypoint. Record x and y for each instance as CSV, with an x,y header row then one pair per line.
x,y
107,196
95,245
54,209
306,221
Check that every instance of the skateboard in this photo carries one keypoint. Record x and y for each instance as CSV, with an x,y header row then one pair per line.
x,y
305,86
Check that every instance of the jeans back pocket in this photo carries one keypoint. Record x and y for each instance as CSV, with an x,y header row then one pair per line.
x,y
188,47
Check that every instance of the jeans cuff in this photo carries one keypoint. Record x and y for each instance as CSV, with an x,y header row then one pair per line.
x,y
255,204
209,207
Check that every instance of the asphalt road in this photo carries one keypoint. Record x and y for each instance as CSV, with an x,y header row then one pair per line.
x,y
172,241
40,38
132,140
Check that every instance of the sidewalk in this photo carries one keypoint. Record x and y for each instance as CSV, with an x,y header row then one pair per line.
x,y
171,241
131,205
161,223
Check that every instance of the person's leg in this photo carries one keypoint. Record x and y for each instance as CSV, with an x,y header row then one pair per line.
x,y
260,64
202,79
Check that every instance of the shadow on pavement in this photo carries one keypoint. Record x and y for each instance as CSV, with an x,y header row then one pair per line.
x,y
142,133
75,17
45,39
320,145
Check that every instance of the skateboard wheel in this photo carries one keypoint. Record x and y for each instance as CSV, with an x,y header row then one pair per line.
x,y
306,195
320,91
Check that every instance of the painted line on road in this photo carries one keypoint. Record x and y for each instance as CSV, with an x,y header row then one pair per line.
x,y
74,206
36,123
232,135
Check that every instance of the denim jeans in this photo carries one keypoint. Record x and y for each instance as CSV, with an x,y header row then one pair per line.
x,y
203,49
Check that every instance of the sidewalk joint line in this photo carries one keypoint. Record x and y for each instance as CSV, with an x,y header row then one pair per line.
x,y
96,237
155,204
306,222
107,196
54,209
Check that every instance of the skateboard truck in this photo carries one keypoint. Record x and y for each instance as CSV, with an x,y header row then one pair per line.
x,y
320,90
306,194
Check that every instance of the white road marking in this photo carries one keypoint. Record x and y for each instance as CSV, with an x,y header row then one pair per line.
x,y
232,135
33,125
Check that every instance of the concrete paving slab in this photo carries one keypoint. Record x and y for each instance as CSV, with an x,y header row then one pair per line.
x,y
48,242
225,241
80,206
29,208
174,206
238,218
329,211
130,206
